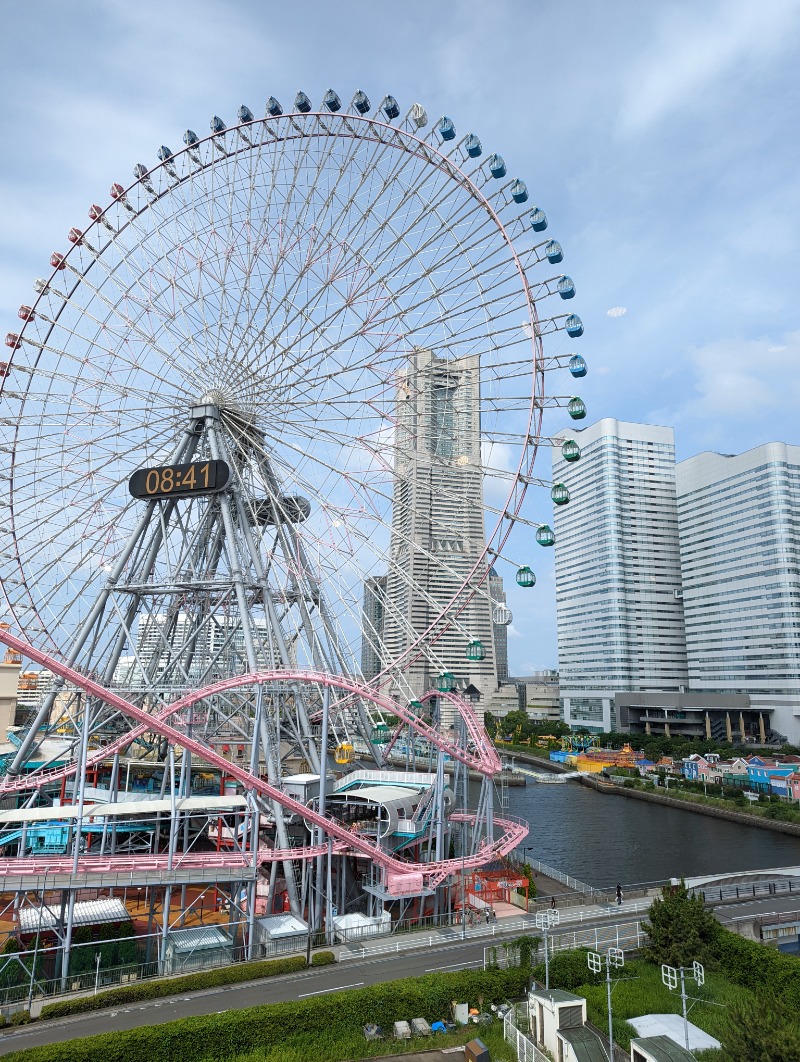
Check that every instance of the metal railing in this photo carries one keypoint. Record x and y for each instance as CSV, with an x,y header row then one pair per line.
x,y
518,855
721,893
526,1050
46,990
626,935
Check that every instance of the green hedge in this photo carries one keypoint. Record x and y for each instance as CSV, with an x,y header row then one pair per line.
x,y
226,975
223,1036
757,967
322,958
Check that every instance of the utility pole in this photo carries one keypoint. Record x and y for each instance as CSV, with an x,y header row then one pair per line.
x,y
670,975
615,958
545,920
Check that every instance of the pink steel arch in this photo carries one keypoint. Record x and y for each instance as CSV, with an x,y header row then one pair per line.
x,y
514,831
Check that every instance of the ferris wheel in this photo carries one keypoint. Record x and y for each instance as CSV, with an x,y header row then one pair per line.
x,y
278,404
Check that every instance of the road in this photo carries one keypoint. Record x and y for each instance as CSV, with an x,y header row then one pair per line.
x,y
355,973
728,912
352,973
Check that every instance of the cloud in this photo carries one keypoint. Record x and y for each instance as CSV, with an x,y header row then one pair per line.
x,y
699,45
739,378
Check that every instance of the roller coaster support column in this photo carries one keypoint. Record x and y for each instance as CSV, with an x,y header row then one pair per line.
x,y
329,897
253,813
323,796
184,789
234,566
77,834
438,814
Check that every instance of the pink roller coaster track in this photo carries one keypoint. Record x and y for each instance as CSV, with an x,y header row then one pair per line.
x,y
485,760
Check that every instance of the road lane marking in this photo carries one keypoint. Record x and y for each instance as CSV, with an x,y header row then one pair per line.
x,y
452,966
322,991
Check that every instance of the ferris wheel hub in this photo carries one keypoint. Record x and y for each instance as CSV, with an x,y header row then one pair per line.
x,y
218,398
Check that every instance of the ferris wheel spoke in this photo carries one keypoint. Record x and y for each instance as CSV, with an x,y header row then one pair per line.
x,y
276,287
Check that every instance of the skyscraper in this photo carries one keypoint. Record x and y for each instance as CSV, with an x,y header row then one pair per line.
x,y
618,573
372,625
740,555
437,523
499,624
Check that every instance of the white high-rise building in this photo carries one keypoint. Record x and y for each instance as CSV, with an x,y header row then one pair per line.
x,y
173,647
437,524
499,623
740,555
372,625
618,573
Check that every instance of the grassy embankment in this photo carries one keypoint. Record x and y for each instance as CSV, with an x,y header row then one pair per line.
x,y
325,1028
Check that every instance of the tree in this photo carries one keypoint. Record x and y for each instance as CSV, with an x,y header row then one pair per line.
x,y
761,1029
680,929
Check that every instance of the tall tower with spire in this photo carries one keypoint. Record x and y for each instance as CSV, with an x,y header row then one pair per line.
x,y
437,526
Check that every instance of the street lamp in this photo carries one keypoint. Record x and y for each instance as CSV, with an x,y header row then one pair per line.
x,y
614,957
545,920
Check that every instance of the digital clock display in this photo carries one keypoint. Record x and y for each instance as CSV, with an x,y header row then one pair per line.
x,y
172,481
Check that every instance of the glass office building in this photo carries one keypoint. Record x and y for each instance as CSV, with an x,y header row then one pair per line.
x,y
740,557
618,572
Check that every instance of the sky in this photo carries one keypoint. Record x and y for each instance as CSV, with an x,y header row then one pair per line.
x,y
660,138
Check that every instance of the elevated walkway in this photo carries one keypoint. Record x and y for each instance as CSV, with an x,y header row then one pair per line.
x,y
741,877
546,777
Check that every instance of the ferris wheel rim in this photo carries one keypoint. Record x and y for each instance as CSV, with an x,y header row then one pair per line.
x,y
501,530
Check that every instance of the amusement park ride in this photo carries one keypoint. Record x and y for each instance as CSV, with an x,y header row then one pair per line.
x,y
199,426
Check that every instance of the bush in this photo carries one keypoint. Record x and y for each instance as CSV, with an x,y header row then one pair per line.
x,y
780,813
323,958
227,975
754,966
304,1022
20,1017
760,1029
568,971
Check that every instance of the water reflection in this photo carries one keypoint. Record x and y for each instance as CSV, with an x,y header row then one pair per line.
x,y
602,839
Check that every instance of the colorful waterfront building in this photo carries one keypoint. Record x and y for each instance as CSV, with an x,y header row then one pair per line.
x,y
762,769
793,786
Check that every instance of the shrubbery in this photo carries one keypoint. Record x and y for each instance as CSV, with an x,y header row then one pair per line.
x,y
323,958
748,963
310,1021
568,970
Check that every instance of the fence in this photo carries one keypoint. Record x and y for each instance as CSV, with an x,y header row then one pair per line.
x,y
720,893
18,965
526,1049
627,935
554,874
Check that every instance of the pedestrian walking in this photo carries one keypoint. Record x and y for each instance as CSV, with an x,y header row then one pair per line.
x,y
553,902
619,895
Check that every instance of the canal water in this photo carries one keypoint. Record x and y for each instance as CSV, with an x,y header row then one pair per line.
x,y
602,839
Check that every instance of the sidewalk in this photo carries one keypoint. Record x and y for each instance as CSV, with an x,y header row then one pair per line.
x,y
569,918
